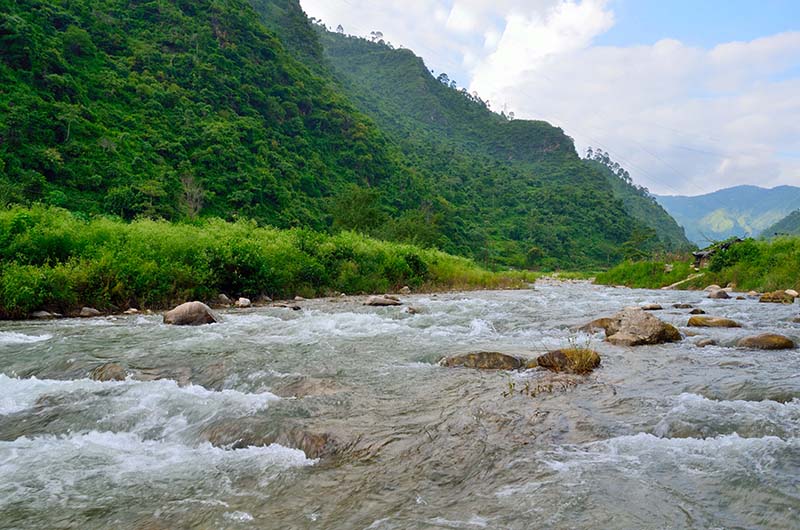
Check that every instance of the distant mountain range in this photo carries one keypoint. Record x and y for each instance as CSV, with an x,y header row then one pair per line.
x,y
744,211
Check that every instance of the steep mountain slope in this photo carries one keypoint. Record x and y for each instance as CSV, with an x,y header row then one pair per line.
x,y
788,226
742,211
640,204
172,109
519,182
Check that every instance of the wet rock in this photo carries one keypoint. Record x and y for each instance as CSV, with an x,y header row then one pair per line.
x,y
382,301
131,311
108,372
777,297
796,320
792,292
182,375
43,315
753,293
600,324
706,342
574,360
191,314
741,298
634,327
713,287
412,310
652,307
712,322
293,307
89,312
682,306
485,360
243,302
406,290
313,444
239,433
298,299
697,312
222,299
263,299
767,341
305,387
719,294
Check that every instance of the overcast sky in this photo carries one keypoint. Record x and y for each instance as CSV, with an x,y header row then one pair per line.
x,y
689,96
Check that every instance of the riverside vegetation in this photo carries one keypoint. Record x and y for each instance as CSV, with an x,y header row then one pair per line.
x,y
751,265
56,260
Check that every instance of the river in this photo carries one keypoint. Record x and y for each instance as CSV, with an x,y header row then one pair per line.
x,y
671,436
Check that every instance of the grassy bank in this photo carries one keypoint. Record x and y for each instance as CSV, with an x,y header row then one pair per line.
x,y
751,265
51,259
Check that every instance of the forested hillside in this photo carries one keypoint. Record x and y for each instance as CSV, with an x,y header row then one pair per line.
x,y
639,203
235,109
788,226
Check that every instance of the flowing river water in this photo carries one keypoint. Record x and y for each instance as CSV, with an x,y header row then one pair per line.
x,y
671,436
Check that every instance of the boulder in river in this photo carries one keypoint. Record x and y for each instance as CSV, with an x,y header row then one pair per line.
x,y
239,433
777,297
405,290
574,360
222,299
43,315
634,327
191,314
712,288
697,311
131,311
599,324
484,360
719,294
703,343
293,307
652,307
108,372
243,302
89,312
792,292
767,341
382,301
712,322
682,306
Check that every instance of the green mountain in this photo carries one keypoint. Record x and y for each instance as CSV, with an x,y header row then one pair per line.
x,y
234,109
640,204
788,226
743,211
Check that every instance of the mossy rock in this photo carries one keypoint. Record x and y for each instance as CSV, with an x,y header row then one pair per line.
x,y
573,360
767,341
777,297
712,322
484,360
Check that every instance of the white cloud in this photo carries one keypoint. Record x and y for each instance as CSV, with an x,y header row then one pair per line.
x,y
682,119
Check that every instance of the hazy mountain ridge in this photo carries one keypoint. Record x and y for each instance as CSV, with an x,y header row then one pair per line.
x,y
743,211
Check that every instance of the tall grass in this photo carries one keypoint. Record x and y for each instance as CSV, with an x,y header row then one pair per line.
x,y
750,265
52,259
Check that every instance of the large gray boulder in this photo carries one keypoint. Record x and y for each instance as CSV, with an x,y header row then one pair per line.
x,y
635,327
191,314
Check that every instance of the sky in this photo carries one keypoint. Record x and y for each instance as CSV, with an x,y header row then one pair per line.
x,y
689,96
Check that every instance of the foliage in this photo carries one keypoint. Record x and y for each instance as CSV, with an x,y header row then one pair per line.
x,y
788,226
750,265
54,259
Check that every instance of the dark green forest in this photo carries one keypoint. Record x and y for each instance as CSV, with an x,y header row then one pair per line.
x,y
184,110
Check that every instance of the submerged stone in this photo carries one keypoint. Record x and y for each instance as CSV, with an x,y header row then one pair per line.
x,y
108,372
485,360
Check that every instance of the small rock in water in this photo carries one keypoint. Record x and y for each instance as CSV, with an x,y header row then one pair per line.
x,y
298,298
382,301
412,310
44,315
132,311
89,312
753,293
600,324
484,360
792,292
706,342
223,299
182,375
243,302
767,341
652,307
682,306
575,360
712,322
406,290
263,299
191,314
108,372
697,312
712,288
719,294
634,327
777,297
741,298
293,307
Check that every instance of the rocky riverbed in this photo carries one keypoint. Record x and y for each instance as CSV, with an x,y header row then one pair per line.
x,y
339,415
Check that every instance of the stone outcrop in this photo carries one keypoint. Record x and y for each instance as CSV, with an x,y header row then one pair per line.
x,y
191,314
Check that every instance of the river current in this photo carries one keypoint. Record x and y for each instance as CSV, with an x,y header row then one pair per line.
x,y
670,436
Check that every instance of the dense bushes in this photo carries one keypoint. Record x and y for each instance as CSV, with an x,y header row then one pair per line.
x,y
750,265
56,260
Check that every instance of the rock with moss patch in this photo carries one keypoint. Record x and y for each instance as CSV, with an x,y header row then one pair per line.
x,y
573,360
634,327
767,341
777,297
484,360
191,314
712,322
